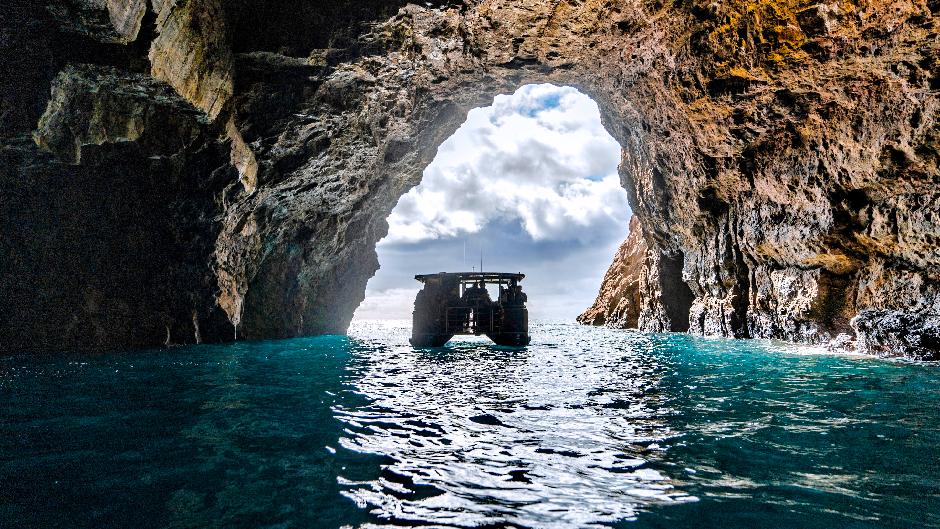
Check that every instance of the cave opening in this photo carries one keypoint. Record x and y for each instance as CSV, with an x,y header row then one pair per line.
x,y
528,184
677,297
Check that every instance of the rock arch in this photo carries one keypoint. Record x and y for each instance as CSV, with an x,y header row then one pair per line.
x,y
781,156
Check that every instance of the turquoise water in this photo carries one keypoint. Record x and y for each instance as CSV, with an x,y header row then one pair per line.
x,y
585,428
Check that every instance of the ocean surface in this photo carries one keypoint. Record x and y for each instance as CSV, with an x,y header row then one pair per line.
x,y
584,428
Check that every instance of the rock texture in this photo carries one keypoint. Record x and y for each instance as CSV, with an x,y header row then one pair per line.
x,y
93,106
781,157
619,301
116,21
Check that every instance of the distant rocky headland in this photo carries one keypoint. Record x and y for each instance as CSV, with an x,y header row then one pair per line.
x,y
179,171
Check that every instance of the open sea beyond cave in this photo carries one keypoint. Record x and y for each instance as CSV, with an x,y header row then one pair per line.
x,y
586,427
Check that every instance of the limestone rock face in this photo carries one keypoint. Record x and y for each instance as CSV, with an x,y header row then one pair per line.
x,y
191,52
891,332
619,303
93,105
111,253
781,157
115,21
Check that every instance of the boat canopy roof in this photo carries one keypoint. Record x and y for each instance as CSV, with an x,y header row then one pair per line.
x,y
486,277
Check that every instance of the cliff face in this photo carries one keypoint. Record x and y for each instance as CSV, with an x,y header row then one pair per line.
x,y
781,158
619,301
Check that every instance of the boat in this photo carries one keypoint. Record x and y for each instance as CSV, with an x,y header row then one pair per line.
x,y
452,304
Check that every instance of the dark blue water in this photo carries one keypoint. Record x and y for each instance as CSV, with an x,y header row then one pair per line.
x,y
585,428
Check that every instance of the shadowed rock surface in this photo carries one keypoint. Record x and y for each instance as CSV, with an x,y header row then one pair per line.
x,y
781,156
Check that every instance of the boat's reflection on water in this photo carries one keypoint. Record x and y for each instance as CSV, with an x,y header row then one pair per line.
x,y
556,434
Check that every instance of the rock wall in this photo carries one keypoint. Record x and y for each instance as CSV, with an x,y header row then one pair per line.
x,y
780,156
619,300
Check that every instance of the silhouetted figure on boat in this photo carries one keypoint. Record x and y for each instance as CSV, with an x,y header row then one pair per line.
x,y
459,303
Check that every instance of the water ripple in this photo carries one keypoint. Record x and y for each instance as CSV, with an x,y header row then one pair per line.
x,y
483,436
594,429
584,428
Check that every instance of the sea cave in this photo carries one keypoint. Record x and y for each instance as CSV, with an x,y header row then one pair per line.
x,y
210,180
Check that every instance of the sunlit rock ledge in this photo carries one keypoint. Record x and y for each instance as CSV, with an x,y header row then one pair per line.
x,y
781,158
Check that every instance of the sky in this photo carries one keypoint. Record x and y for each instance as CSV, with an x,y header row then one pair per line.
x,y
532,183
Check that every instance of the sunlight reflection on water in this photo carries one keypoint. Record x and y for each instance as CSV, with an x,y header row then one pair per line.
x,y
589,427
533,437
584,428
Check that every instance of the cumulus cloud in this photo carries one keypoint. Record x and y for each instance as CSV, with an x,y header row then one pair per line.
x,y
540,157
530,181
